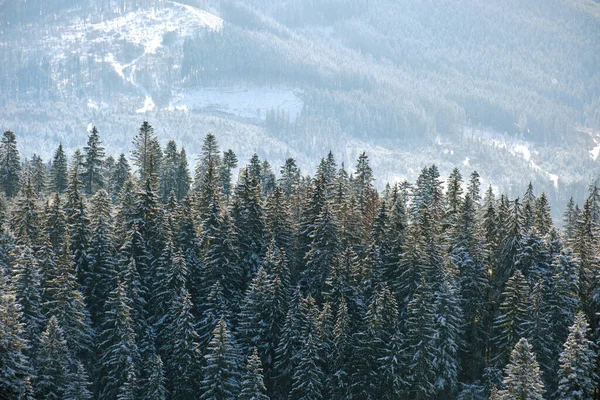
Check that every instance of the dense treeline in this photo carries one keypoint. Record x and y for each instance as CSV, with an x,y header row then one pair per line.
x,y
148,284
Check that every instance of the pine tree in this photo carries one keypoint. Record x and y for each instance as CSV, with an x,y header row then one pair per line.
x,y
118,362
248,217
147,153
27,288
66,303
221,366
155,386
26,220
322,253
15,365
210,155
78,227
261,316
522,377
419,344
307,381
55,226
10,165
99,276
230,162
58,173
52,363
78,386
512,321
253,387
578,360
184,179
92,174
39,174
181,352
169,171
119,177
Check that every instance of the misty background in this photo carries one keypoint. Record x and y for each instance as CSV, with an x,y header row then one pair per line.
x,y
510,89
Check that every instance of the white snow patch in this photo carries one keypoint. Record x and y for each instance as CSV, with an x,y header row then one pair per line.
x,y
466,162
148,106
245,102
92,105
514,146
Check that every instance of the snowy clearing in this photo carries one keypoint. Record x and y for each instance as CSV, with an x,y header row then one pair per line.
x,y
247,102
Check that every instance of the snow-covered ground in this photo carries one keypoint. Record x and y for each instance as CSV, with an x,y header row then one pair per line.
x,y
515,146
146,28
245,102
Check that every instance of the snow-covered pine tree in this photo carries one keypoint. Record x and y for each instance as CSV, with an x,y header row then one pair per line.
x,y
26,219
253,387
154,387
512,320
78,385
53,361
147,153
307,381
577,373
67,304
229,163
278,221
99,276
78,227
26,283
92,175
117,343
419,350
221,376
180,350
322,252
247,215
58,173
522,376
210,154
55,225
15,366
10,165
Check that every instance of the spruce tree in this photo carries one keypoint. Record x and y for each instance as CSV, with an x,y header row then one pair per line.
x,y
210,155
147,153
323,250
522,376
117,343
253,387
307,381
221,377
419,344
512,321
15,369
52,363
92,174
10,164
230,162
26,281
119,177
58,173
181,352
577,373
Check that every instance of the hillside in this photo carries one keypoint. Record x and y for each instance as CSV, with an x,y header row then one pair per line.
x,y
468,82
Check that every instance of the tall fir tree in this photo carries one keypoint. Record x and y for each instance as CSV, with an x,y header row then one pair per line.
x,y
522,376
53,362
92,174
253,387
221,376
10,164
58,173
577,374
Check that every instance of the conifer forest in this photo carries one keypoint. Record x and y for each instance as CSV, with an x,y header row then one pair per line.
x,y
150,276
